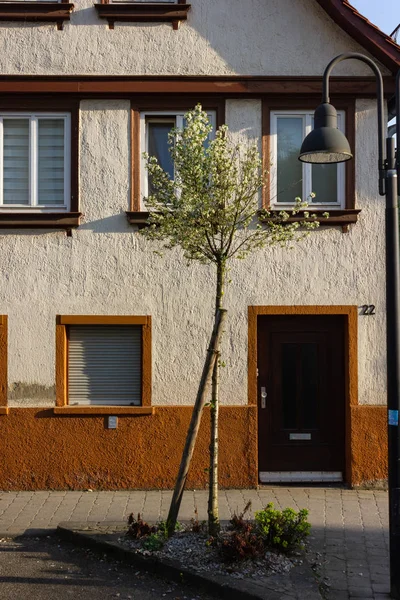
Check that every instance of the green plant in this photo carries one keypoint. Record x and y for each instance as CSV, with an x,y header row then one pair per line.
x,y
139,528
154,541
284,530
162,528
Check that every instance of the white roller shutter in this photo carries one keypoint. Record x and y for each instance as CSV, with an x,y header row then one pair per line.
x,y
105,364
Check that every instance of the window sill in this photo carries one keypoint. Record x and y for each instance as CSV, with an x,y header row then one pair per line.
x,y
143,12
65,220
57,12
104,410
344,217
138,218
4,410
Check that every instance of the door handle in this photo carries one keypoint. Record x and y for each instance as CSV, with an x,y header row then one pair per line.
x,y
263,397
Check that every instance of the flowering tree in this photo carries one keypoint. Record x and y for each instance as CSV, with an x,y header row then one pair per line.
x,y
211,211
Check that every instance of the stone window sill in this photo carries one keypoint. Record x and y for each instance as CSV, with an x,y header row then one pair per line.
x,y
104,410
57,12
143,12
64,220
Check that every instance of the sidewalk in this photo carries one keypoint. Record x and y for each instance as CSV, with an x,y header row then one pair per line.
x,y
349,528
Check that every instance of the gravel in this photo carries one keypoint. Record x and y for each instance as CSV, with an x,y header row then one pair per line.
x,y
192,551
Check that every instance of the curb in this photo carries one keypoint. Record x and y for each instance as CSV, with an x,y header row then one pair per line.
x,y
300,578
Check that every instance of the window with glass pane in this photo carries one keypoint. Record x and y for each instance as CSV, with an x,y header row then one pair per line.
x,y
34,154
155,128
157,145
289,177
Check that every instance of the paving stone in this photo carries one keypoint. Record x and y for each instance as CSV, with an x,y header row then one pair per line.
x,y
381,587
361,592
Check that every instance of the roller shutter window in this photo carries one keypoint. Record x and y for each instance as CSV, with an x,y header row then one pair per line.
x,y
105,365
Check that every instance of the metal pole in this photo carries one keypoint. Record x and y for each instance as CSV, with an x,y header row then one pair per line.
x,y
393,364
389,173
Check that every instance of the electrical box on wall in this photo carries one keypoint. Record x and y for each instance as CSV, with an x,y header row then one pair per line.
x,y
112,423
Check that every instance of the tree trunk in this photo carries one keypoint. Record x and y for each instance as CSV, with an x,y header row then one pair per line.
x,y
195,422
213,512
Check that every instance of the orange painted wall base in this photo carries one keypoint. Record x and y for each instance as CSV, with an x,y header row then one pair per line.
x,y
369,449
40,450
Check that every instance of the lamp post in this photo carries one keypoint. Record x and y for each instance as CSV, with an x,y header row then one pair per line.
x,y
326,144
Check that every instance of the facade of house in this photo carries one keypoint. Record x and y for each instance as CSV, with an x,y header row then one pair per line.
x,y
101,340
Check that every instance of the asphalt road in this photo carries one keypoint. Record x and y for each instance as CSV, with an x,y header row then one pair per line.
x,y
50,569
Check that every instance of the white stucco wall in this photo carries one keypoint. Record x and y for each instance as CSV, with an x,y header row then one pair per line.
x,y
249,37
106,267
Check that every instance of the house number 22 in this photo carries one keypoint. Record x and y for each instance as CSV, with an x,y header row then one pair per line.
x,y
367,309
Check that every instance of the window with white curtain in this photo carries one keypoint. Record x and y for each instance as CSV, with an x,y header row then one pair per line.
x,y
154,130
289,177
35,161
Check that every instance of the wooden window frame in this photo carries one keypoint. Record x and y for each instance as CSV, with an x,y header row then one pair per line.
x,y
155,103
150,12
62,406
337,203
51,218
3,364
55,12
337,216
33,119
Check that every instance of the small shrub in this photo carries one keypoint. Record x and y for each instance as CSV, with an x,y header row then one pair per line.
x,y
284,530
162,527
154,541
238,522
240,545
139,528
195,525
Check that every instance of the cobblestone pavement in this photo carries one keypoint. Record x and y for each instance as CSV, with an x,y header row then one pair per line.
x,y
349,528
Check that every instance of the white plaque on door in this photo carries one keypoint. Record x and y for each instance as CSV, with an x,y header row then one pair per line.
x,y
300,436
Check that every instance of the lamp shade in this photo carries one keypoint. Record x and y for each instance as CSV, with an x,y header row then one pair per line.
x,y
325,143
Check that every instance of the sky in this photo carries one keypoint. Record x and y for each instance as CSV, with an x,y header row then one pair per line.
x,y
383,13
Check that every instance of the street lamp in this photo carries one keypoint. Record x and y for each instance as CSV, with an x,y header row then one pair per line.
x,y
326,144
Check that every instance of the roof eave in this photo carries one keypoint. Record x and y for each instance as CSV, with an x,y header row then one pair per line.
x,y
380,45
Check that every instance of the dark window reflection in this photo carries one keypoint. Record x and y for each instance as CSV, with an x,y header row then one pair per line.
x,y
158,146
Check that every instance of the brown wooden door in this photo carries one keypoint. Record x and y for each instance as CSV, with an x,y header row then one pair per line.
x,y
301,367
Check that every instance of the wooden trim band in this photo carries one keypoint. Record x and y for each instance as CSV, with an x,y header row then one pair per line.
x,y
123,86
4,410
3,363
336,217
49,220
102,320
104,410
57,12
143,12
